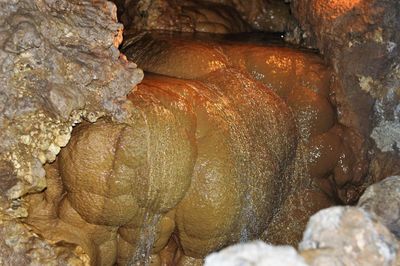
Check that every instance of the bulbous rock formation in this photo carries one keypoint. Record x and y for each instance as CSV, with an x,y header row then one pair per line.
x,y
325,170
209,157
197,161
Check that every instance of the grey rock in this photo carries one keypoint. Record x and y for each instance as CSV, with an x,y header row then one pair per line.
x,y
59,64
348,236
256,253
383,199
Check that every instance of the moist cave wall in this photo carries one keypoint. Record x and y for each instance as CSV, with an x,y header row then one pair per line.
x,y
333,107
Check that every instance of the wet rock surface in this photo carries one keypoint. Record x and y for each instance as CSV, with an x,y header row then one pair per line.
x,y
325,168
60,64
196,161
367,86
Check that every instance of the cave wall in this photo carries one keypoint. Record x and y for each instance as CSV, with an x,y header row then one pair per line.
x,y
59,64
215,16
360,39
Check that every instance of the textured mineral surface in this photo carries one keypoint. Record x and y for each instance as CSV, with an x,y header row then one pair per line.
x,y
383,199
59,64
19,246
334,236
361,40
215,16
325,165
348,236
197,161
255,253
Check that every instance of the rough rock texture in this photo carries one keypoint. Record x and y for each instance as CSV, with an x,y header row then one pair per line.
x,y
182,16
255,253
345,236
361,40
215,16
19,246
263,15
59,63
383,199
348,236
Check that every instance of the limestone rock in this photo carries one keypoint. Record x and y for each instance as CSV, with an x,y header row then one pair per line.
x,y
18,246
59,62
180,166
255,253
263,15
383,199
348,236
183,16
367,86
215,16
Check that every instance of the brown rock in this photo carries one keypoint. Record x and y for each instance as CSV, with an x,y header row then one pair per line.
x,y
178,166
367,86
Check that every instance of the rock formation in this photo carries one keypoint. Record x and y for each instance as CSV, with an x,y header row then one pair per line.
x,y
360,39
59,64
383,199
214,16
197,160
363,235
256,253
111,194
325,169
348,236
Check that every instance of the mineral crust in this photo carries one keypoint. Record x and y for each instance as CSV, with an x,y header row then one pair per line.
x,y
59,64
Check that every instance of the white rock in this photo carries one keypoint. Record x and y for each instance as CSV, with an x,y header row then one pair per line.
x,y
348,236
255,253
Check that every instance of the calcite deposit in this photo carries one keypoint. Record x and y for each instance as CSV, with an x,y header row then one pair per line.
x,y
59,64
365,235
226,142
215,16
196,161
360,39
182,16
325,167
263,15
